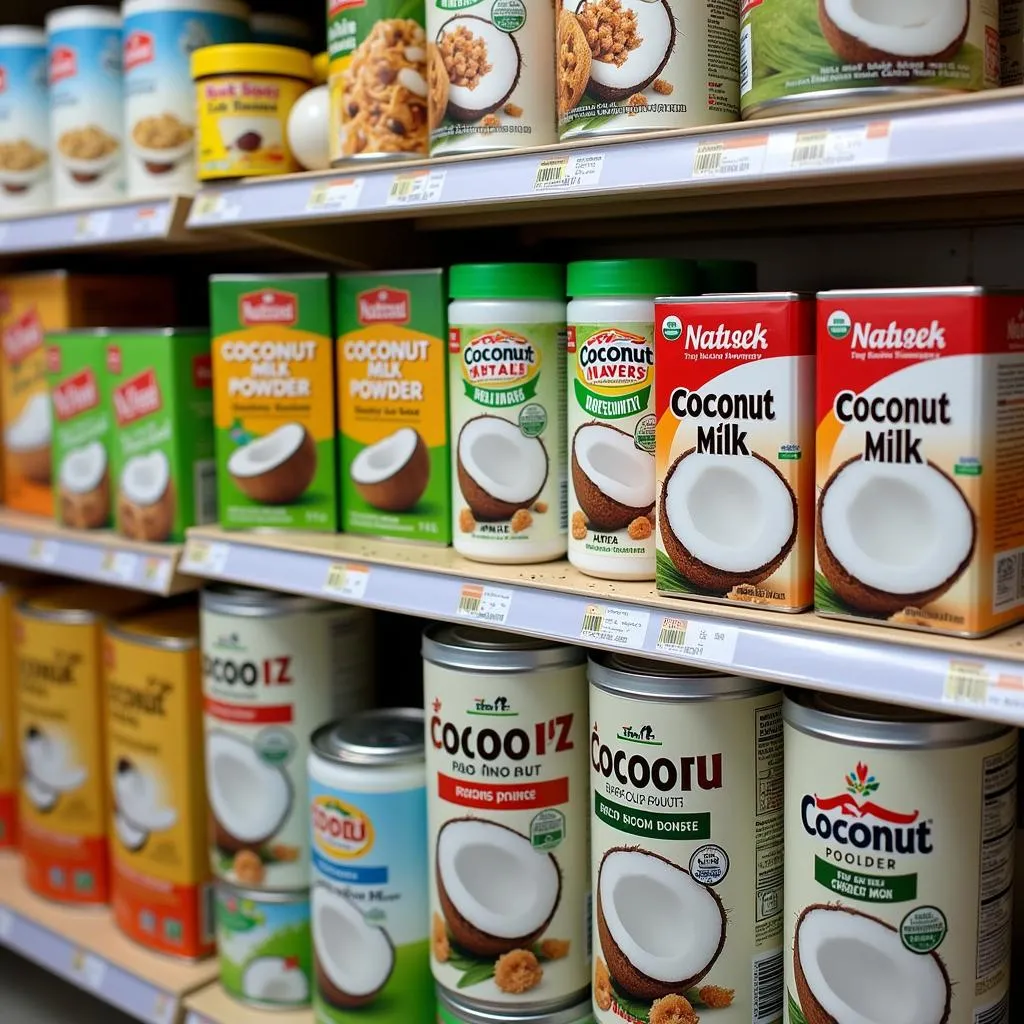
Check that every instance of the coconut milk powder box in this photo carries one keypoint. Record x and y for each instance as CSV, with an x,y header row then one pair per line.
x,y
273,371
920,415
735,407
393,404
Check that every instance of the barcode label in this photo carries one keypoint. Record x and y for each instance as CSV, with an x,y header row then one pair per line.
x,y
204,480
966,683
90,970
487,604
562,173
414,187
204,556
997,1013
44,552
551,171
347,581
335,196
120,565
746,61
164,1008
616,627
809,148
744,154
1008,580
94,225
708,159
767,988
672,633
593,619
156,572
698,640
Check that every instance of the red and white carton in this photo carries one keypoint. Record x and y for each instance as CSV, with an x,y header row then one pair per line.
x,y
734,399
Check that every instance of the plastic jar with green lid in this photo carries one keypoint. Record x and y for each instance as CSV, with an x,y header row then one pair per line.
x,y
611,423
506,345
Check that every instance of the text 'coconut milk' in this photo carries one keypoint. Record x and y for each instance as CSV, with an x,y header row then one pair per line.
x,y
686,770
899,863
507,814
735,407
920,414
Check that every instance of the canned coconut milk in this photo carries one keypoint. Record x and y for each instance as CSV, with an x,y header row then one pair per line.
x,y
686,848
507,815
451,1011
274,668
24,121
264,946
368,810
899,863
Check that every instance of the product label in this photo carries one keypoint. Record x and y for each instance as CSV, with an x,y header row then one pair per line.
x,y
370,893
10,760
628,66
611,417
273,366
687,844
507,386
24,129
735,406
86,115
393,405
268,682
490,88
507,770
919,415
265,950
873,838
788,49
160,97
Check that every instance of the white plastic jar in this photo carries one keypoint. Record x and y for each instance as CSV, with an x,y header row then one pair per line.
x,y
159,97
86,112
611,422
506,345
24,121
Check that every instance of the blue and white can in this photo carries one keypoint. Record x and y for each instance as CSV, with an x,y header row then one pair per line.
x,y
24,121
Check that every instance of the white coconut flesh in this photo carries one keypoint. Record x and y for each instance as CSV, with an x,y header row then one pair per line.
x,y
145,478
732,512
39,794
270,979
502,461
46,762
614,465
860,972
666,924
266,453
655,32
493,86
131,835
356,956
138,799
249,797
32,428
900,529
386,458
83,468
910,28
495,879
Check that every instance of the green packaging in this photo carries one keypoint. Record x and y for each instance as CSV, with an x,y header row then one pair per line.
x,y
394,463
79,399
273,405
161,402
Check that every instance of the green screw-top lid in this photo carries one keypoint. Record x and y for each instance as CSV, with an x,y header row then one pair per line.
x,y
646,278
507,281
726,276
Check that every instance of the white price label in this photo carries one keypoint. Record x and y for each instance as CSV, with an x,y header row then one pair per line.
x,y
691,638
203,556
730,158
157,573
164,1007
411,188
151,220
862,145
335,196
346,581
214,208
486,604
565,173
623,627
967,682
6,924
44,552
120,565
88,969
92,226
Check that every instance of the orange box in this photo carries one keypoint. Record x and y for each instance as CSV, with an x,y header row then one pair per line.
x,y
54,300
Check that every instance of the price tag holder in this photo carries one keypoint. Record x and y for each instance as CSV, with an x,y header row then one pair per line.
x,y
729,158
214,208
566,173
151,220
164,1007
485,604
43,552
92,226
120,565
620,627
863,145
89,970
157,573
347,582
697,640
967,682
336,196
415,188
203,556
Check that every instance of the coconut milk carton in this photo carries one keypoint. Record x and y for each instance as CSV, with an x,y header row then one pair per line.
x,y
734,448
920,409
273,367
393,404
161,393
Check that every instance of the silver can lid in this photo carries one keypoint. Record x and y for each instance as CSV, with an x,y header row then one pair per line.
x,y
227,890
381,736
231,599
576,1013
486,650
646,679
833,716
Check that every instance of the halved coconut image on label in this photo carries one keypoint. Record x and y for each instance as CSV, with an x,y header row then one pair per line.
x,y
145,499
500,469
49,768
85,487
275,979
27,440
851,967
660,930
277,468
925,30
726,520
481,64
891,536
393,473
139,808
352,958
612,478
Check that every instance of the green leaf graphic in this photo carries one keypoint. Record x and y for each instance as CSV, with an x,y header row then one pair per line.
x,y
796,1015
641,1011
481,972
669,577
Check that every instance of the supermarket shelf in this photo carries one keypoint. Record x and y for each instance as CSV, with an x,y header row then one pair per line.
x,y
981,678
211,1005
810,157
98,556
84,947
